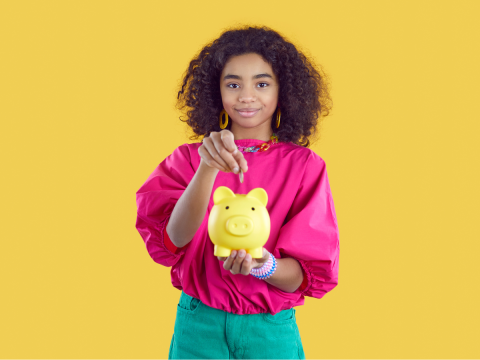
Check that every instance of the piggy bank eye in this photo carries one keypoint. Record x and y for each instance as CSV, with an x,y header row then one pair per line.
x,y
226,208
253,208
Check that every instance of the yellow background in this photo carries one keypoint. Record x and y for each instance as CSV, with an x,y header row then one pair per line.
x,y
87,112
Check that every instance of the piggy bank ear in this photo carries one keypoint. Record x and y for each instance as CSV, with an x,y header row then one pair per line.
x,y
259,194
221,193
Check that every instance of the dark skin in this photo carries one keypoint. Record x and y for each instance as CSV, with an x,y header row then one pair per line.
x,y
287,277
252,84
248,88
239,262
220,153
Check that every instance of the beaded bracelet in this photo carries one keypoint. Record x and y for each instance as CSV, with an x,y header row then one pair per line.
x,y
266,270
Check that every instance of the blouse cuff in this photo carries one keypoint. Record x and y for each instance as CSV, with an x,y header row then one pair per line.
x,y
306,274
321,278
167,242
307,277
304,283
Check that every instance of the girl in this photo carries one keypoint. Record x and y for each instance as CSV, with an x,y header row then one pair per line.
x,y
254,98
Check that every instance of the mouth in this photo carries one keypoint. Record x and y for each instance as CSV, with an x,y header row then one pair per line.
x,y
247,112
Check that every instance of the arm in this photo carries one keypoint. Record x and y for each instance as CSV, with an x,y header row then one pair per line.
x,y
310,234
218,152
309,241
156,200
189,212
288,276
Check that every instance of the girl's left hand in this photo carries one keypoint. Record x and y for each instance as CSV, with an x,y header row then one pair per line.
x,y
242,263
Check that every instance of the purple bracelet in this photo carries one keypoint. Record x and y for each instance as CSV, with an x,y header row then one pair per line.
x,y
266,270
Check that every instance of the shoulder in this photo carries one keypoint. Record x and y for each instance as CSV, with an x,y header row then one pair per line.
x,y
186,150
302,154
187,154
188,147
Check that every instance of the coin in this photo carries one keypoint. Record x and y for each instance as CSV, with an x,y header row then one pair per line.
x,y
241,175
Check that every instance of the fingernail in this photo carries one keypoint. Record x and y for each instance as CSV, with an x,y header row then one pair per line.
x,y
236,169
248,257
241,254
235,152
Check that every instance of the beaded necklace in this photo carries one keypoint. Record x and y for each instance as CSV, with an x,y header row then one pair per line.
x,y
259,148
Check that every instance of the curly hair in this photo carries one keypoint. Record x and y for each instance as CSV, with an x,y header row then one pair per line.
x,y
303,86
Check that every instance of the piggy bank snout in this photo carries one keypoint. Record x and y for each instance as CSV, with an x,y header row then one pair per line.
x,y
239,225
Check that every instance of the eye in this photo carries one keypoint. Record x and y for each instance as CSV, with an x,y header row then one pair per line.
x,y
253,208
226,208
230,86
263,84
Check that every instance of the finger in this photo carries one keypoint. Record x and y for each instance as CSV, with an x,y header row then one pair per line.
x,y
225,157
266,255
222,155
211,147
246,265
258,263
231,150
227,265
237,264
205,156
240,159
228,140
230,161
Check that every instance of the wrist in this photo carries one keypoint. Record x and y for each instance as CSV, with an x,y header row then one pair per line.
x,y
204,167
259,265
266,270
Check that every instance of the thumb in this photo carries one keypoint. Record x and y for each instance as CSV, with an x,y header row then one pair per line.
x,y
259,262
227,138
266,255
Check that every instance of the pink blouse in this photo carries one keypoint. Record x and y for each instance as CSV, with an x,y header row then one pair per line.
x,y
303,226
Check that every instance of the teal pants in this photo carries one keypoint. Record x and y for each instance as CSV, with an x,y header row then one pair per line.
x,y
202,332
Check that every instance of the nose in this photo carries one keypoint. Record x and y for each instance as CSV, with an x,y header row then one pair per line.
x,y
239,225
247,95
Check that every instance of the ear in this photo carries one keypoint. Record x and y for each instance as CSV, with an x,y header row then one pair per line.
x,y
221,193
259,194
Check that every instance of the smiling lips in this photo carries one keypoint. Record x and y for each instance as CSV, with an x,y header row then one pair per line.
x,y
248,112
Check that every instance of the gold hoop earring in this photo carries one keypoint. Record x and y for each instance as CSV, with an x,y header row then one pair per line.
x,y
279,113
223,125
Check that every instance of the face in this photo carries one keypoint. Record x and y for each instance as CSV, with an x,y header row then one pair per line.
x,y
249,90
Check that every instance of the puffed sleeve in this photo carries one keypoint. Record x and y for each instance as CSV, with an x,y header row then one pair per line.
x,y
156,200
310,232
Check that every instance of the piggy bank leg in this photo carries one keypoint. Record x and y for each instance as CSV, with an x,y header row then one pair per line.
x,y
221,251
256,253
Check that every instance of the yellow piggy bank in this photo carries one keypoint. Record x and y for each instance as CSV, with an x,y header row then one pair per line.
x,y
239,221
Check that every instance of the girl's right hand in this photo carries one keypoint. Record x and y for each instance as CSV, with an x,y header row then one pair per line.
x,y
220,152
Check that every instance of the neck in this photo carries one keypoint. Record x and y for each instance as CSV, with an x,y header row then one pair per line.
x,y
252,133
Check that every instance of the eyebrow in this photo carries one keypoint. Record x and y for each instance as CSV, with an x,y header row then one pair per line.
x,y
258,76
